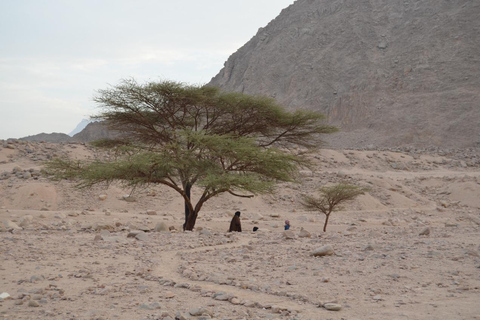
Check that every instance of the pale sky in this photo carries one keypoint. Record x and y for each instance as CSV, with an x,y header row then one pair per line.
x,y
55,54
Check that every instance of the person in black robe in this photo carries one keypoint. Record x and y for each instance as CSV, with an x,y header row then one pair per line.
x,y
235,224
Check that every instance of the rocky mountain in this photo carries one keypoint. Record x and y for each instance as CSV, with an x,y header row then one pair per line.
x,y
94,131
80,127
387,72
48,137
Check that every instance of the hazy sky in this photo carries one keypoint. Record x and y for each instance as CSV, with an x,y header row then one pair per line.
x,y
54,54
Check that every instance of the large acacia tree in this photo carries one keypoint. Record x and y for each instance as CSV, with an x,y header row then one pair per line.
x,y
182,135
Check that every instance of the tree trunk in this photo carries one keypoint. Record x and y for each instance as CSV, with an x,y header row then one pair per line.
x,y
326,222
188,189
190,223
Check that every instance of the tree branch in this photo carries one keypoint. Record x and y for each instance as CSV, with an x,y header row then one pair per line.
x,y
240,195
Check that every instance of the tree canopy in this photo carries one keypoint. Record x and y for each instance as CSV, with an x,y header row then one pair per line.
x,y
182,135
330,197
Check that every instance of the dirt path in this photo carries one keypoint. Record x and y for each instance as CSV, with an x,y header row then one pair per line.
x,y
170,271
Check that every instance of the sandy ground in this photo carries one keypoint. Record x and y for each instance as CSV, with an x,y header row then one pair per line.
x,y
408,249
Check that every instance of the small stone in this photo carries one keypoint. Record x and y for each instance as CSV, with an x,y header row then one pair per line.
x,y
133,233
169,295
151,212
60,216
368,247
341,174
276,309
249,304
382,45
425,232
205,232
129,198
4,296
161,226
180,316
102,226
142,236
255,216
332,306
197,312
25,221
289,234
144,228
145,307
323,251
102,197
10,225
222,297
33,303
304,233
377,298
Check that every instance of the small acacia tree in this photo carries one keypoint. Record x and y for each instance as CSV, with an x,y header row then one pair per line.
x,y
330,198
179,136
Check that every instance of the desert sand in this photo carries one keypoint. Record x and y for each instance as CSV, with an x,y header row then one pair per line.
x,y
407,249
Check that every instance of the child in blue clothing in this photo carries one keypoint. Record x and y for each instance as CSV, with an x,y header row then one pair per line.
x,y
287,224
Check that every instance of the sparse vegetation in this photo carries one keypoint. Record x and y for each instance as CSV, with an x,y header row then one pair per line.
x,y
330,198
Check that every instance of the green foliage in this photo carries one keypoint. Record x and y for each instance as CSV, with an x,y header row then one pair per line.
x,y
330,197
180,135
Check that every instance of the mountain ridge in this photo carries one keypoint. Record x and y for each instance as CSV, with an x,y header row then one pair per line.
x,y
386,73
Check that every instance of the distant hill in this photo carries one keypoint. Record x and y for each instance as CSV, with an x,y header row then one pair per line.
x,y
80,127
388,73
48,137
94,131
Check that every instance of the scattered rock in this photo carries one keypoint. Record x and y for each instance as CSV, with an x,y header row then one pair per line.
x,y
10,225
196,312
425,232
160,227
25,221
133,233
377,298
255,216
102,226
369,247
129,198
142,236
33,303
304,233
5,296
323,251
288,234
332,306
205,232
